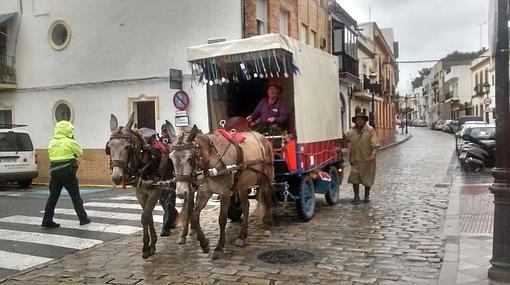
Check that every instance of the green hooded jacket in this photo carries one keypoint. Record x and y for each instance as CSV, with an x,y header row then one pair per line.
x,y
62,146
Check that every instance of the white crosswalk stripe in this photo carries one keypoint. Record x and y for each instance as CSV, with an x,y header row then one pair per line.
x,y
73,224
19,261
48,239
119,206
109,215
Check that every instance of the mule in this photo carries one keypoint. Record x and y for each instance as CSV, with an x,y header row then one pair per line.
x,y
213,155
126,149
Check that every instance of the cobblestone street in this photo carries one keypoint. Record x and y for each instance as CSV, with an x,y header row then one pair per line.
x,y
395,239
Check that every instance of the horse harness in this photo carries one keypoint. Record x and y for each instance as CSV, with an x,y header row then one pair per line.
x,y
202,171
135,157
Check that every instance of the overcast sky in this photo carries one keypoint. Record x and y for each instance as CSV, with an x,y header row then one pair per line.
x,y
425,29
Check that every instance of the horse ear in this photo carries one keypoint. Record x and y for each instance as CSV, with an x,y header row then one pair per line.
x,y
129,124
169,128
114,124
193,133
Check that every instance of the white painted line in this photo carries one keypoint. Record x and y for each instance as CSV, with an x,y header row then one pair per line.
x,y
119,206
123,198
19,261
73,224
109,215
49,239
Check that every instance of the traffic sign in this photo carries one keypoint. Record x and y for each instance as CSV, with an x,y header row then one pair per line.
x,y
488,109
181,100
487,101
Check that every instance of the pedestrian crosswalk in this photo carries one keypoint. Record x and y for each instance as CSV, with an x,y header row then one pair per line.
x,y
24,244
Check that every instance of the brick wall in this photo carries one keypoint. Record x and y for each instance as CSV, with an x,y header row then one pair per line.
x,y
312,13
94,167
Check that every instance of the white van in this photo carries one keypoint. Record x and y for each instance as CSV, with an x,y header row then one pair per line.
x,y
17,158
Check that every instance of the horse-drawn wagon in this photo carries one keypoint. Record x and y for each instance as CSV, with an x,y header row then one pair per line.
x,y
308,157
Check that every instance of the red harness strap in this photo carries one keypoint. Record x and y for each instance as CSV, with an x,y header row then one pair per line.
x,y
239,138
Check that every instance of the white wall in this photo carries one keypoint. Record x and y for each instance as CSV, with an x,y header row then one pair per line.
x,y
111,40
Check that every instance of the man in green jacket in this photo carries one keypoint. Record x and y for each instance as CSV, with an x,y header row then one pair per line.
x,y
63,151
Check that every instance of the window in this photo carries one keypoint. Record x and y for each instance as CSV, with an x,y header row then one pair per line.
x,y
5,116
59,35
486,76
476,81
303,33
63,111
284,22
313,38
338,36
12,141
261,17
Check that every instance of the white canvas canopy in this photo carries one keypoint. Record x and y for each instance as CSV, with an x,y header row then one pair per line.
x,y
316,91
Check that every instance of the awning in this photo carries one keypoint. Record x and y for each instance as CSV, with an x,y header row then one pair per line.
x,y
5,17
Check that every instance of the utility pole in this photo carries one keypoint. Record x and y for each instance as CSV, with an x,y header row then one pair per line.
x,y
500,261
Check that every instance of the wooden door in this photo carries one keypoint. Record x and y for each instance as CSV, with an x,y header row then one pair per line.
x,y
146,114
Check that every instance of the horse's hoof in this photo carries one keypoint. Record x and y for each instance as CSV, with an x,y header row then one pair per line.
x,y
165,233
182,240
240,242
192,232
217,254
146,254
153,251
205,246
268,233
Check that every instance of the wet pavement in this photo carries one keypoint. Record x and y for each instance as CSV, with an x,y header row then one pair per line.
x,y
398,238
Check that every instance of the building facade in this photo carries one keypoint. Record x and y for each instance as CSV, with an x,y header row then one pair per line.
x,y
65,66
482,87
385,68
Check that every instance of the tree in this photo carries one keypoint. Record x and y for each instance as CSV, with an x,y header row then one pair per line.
x,y
418,81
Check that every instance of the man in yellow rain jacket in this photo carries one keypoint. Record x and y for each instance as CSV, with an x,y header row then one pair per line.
x,y
363,146
63,151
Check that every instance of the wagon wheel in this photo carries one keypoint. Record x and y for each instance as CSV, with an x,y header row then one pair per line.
x,y
305,204
333,194
235,211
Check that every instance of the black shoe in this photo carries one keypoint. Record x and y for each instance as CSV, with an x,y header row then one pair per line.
x,y
355,200
165,233
366,200
49,225
84,222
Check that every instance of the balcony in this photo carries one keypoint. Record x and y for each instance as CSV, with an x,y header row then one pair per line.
x,y
348,64
7,72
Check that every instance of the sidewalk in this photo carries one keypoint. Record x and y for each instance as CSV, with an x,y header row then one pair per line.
x,y
468,229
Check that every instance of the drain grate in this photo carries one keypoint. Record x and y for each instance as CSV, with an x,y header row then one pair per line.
x,y
285,256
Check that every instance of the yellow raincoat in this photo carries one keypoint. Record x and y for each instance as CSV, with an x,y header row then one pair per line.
x,y
362,144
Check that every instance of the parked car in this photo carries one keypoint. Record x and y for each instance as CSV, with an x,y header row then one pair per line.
x,y
422,123
446,126
438,126
477,131
17,157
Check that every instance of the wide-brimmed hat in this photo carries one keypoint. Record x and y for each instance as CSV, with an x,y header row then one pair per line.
x,y
274,82
362,115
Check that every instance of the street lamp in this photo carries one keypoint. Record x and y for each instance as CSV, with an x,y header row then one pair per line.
x,y
500,261
373,80
486,88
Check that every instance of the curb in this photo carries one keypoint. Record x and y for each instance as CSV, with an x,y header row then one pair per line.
x,y
409,136
451,231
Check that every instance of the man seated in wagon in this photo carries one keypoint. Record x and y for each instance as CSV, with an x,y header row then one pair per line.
x,y
271,114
